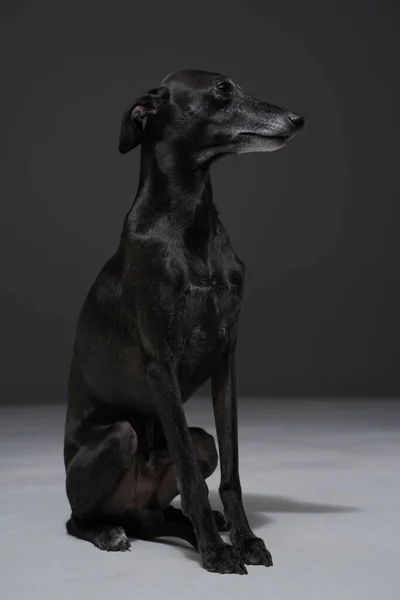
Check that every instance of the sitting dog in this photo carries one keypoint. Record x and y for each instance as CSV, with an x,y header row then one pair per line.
x,y
160,319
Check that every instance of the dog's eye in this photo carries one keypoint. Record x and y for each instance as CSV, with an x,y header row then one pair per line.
x,y
223,86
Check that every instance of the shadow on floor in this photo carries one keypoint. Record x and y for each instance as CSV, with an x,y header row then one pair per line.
x,y
256,506
280,504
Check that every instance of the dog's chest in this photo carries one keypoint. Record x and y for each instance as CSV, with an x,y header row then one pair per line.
x,y
207,316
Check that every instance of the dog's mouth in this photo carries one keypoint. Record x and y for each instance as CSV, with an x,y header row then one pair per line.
x,y
261,142
278,138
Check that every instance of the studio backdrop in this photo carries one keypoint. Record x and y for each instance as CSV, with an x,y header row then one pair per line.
x,y
316,224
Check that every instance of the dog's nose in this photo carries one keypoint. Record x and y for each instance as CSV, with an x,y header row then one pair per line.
x,y
296,119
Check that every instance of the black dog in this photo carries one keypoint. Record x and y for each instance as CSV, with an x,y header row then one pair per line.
x,y
160,319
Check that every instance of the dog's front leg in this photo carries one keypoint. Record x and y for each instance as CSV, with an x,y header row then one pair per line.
x,y
224,391
216,555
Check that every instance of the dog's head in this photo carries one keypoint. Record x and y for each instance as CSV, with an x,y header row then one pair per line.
x,y
204,115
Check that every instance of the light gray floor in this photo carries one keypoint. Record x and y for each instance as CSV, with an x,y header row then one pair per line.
x,y
321,486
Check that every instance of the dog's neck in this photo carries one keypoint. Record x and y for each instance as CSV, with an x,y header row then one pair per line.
x,y
171,198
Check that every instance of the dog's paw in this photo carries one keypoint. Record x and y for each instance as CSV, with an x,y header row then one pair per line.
x,y
253,551
113,539
222,558
221,521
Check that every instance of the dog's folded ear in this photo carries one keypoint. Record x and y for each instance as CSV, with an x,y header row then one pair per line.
x,y
132,128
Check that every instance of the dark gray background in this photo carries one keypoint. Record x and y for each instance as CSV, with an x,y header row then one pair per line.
x,y
316,224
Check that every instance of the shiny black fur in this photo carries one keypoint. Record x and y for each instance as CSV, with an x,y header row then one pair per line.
x,y
160,319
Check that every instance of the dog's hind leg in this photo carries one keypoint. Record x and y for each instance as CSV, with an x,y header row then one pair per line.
x,y
105,455
147,524
103,486
110,532
106,537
